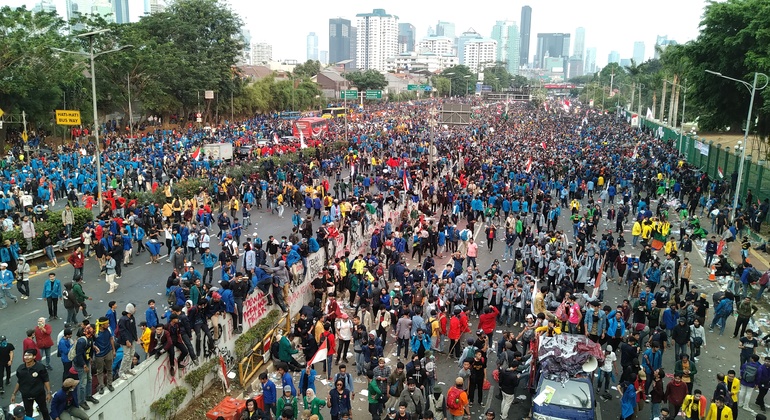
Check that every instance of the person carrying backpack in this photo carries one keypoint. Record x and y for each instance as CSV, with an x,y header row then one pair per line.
x,y
457,401
723,310
748,380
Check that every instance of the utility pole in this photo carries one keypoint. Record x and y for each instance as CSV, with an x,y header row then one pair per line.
x,y
612,80
130,112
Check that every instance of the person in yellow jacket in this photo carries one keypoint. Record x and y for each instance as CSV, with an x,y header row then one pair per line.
x,y
145,338
646,230
358,265
670,246
636,232
694,406
575,206
733,385
234,206
719,411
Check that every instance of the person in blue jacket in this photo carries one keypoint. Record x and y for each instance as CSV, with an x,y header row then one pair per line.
x,y
627,401
63,349
52,293
269,394
150,315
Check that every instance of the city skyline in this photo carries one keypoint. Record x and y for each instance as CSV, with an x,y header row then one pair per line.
x,y
679,23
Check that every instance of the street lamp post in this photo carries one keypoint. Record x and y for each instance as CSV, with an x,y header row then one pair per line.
x,y
753,89
450,82
92,56
467,80
345,98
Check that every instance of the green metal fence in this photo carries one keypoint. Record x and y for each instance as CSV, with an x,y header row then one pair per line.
x,y
756,175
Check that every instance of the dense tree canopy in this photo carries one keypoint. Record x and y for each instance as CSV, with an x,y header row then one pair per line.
x,y
367,80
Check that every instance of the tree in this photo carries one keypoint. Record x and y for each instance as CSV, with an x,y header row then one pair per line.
x,y
497,77
733,41
308,69
32,73
441,85
461,78
367,80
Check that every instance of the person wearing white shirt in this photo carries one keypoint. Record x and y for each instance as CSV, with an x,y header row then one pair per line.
x,y
345,335
606,370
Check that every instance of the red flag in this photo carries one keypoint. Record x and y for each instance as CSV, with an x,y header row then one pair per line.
x,y
407,184
719,171
529,166
320,355
542,143
196,153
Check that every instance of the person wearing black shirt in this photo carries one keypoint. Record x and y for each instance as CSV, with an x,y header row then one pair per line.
x,y
240,289
32,382
628,352
6,360
478,368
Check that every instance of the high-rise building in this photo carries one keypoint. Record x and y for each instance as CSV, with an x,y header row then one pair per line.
x,y
580,43
101,8
479,52
406,37
506,33
340,41
553,45
661,42
446,29
120,9
312,46
613,57
377,39
245,58
590,61
261,53
638,53
323,57
154,6
576,63
44,6
440,45
353,45
526,27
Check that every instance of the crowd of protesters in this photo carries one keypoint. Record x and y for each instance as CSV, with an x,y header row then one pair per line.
x,y
418,283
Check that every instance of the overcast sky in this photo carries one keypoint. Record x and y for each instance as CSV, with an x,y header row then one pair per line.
x,y
610,24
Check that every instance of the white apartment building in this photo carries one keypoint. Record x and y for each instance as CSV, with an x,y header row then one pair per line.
x,y
261,53
478,52
422,61
377,39
442,45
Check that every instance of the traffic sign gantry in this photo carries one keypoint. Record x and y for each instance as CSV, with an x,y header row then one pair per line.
x,y
373,94
412,87
348,94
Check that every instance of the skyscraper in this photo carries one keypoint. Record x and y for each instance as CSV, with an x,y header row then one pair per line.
x,y
446,29
613,57
590,61
261,53
506,33
120,9
323,57
473,50
312,46
44,6
377,39
340,41
638,53
552,45
580,43
155,6
406,37
662,42
526,27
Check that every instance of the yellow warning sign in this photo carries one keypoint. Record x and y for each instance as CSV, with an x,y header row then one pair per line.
x,y
65,117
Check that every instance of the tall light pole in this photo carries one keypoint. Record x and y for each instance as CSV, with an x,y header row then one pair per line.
x,y
345,98
92,56
753,89
684,108
467,80
450,81
130,112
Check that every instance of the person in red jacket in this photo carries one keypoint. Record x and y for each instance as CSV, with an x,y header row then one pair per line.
x,y
455,332
77,259
488,321
43,341
29,344
160,344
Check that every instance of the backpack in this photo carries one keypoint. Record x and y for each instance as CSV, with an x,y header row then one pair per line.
x,y
519,266
750,373
430,326
74,351
728,310
765,278
453,398
171,298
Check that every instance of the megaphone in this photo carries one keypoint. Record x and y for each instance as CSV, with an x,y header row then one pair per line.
x,y
590,365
